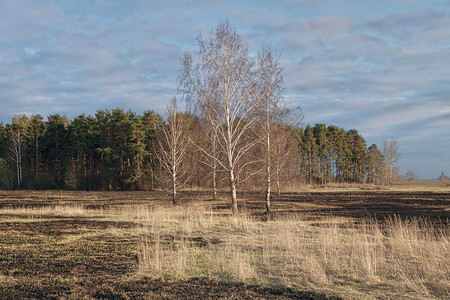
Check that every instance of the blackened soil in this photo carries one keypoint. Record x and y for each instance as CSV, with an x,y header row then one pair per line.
x,y
358,204
131,288
66,226
199,288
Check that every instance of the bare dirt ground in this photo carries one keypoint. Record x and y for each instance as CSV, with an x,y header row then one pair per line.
x,y
375,204
72,257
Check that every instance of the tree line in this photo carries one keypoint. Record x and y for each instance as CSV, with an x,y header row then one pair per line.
x,y
118,150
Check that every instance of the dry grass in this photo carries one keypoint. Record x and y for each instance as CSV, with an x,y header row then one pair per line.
x,y
400,258
50,210
434,186
395,258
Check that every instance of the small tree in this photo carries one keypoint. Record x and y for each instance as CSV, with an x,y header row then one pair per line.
x,y
274,112
443,177
411,175
17,144
271,95
172,149
391,159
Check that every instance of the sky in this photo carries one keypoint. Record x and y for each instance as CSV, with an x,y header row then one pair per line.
x,y
380,67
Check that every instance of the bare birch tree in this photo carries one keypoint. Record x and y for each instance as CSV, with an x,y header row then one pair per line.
x,y
272,107
172,149
220,80
274,112
16,151
391,159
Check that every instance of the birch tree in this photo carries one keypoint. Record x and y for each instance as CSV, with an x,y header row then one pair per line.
x,y
391,159
16,152
172,149
17,143
220,81
273,110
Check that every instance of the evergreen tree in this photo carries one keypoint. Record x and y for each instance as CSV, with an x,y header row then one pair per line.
x,y
53,152
311,151
298,135
358,156
3,140
137,148
320,133
36,130
375,165
102,133
79,147
122,151
152,124
332,137
338,151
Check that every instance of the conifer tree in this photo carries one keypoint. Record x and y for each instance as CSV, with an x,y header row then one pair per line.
x,y
358,157
375,165
79,147
311,150
3,139
36,130
54,143
152,124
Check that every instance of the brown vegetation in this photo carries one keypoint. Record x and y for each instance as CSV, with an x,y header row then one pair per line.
x,y
136,245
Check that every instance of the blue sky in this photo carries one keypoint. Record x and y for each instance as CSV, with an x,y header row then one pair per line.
x,y
381,67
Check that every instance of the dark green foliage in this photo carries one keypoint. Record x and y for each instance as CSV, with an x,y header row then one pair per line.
x,y
81,152
36,131
327,154
54,145
6,175
112,151
375,165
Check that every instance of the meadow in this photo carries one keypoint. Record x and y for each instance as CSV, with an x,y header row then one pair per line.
x,y
338,243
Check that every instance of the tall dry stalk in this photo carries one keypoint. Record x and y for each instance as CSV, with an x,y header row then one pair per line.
x,y
407,256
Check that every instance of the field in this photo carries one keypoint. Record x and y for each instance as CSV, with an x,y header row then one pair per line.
x,y
320,244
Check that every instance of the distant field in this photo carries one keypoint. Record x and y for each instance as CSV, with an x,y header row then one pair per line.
x,y
322,243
